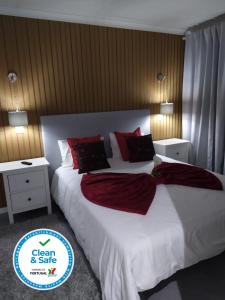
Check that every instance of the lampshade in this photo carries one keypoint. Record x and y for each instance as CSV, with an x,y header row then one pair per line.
x,y
18,118
166,108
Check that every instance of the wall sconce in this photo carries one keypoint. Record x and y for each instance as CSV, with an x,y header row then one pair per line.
x,y
161,77
12,77
18,119
166,108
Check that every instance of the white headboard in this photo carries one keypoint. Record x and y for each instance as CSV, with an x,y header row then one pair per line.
x,y
57,127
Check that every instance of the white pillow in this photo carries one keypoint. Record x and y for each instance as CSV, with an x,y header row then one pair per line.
x,y
114,145
67,160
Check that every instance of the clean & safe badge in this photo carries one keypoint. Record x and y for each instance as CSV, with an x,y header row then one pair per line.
x,y
43,259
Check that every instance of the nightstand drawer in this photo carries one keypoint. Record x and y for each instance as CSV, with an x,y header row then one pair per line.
x,y
26,186
25,200
26,181
179,152
174,148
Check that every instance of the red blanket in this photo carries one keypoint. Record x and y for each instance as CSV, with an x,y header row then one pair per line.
x,y
135,192
121,191
182,174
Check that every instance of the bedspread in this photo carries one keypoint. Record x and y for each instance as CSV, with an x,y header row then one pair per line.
x,y
130,253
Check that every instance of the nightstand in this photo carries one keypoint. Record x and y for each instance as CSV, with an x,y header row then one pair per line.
x,y
26,187
174,148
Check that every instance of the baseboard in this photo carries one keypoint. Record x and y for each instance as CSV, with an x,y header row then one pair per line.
x,y
3,210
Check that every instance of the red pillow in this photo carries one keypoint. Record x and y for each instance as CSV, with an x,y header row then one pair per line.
x,y
76,141
122,141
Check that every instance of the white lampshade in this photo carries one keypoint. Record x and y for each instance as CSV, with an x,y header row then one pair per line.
x,y
18,118
166,108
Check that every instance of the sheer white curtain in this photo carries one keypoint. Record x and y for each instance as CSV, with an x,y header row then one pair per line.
x,y
203,120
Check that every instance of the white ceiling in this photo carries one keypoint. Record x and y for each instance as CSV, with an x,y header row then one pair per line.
x,y
173,16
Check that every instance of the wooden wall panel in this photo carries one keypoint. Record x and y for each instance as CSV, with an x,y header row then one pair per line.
x,y
73,68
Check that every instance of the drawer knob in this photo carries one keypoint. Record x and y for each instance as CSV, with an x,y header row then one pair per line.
x,y
27,181
177,153
29,199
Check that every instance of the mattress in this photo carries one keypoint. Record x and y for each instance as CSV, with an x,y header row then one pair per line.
x,y
129,252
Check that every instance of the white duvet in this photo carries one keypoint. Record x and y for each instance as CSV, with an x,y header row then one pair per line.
x,y
130,252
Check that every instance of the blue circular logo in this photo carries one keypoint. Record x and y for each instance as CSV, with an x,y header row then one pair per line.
x,y
43,259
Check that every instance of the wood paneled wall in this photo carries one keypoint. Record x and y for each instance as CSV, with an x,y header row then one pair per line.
x,y
73,68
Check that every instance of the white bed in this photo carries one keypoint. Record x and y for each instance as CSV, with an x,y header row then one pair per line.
x,y
130,253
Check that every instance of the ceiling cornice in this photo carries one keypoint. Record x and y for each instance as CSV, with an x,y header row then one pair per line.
x,y
99,21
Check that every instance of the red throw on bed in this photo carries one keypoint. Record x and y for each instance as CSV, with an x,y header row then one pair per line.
x,y
135,192
182,174
121,191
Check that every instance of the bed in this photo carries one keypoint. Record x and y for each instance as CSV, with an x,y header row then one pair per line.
x,y
130,253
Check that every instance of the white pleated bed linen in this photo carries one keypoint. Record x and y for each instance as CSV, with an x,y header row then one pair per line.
x,y
129,252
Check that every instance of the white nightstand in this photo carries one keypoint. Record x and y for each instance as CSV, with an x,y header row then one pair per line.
x,y
174,148
26,187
